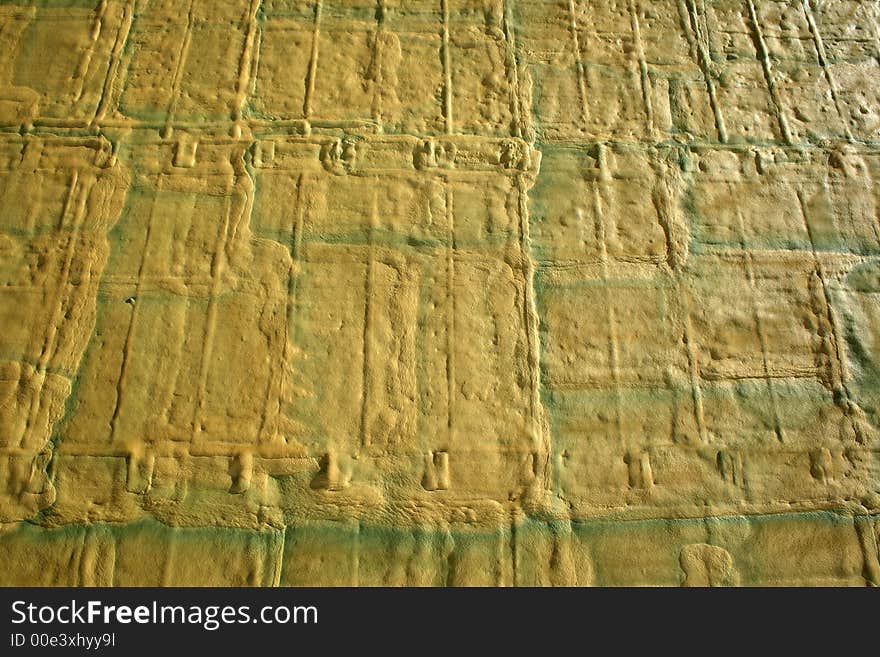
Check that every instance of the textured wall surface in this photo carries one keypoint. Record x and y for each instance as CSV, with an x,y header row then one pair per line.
x,y
492,292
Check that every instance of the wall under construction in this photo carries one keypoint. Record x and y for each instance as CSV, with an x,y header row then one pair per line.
x,y
439,292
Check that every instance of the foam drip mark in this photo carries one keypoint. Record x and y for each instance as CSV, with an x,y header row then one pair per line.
x,y
436,476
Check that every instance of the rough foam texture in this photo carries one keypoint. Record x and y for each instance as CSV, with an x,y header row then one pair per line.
x,y
499,292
